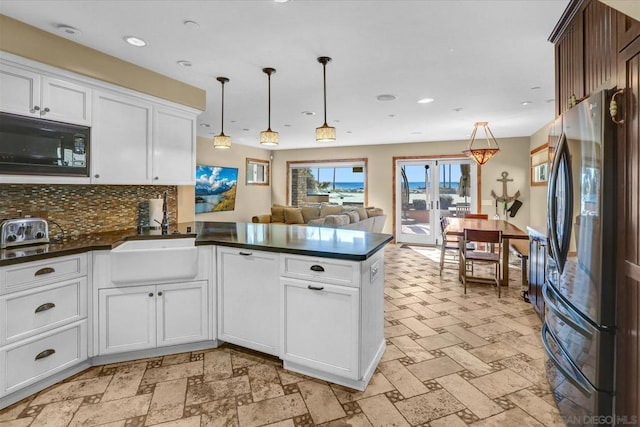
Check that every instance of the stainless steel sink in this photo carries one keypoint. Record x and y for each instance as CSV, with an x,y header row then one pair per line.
x,y
154,260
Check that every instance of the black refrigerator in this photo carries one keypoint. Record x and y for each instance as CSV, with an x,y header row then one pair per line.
x,y
579,293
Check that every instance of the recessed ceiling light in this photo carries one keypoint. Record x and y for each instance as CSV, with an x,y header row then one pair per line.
x,y
308,113
391,115
287,126
67,30
246,129
535,88
386,97
205,125
416,133
349,131
550,100
425,100
184,63
191,24
135,41
457,109
525,103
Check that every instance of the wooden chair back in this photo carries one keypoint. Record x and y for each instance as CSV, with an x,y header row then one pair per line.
x,y
476,216
484,236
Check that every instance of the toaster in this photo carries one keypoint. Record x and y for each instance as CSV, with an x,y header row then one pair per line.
x,y
23,231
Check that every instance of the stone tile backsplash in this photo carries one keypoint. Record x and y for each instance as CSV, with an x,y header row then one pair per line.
x,y
83,209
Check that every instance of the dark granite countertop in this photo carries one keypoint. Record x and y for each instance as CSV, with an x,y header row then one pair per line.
x,y
302,240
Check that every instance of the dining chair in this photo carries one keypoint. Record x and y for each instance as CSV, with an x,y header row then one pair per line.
x,y
488,237
476,216
450,246
462,209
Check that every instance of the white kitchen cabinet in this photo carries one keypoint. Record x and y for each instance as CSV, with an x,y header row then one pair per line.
x,y
143,317
174,154
29,93
121,140
320,326
248,298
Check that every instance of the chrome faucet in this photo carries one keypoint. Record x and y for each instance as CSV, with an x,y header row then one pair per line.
x,y
164,225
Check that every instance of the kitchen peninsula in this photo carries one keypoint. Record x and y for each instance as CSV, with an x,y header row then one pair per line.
x,y
311,296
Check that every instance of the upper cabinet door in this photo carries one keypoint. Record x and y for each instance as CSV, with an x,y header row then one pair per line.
x,y
570,66
174,150
121,140
19,91
65,102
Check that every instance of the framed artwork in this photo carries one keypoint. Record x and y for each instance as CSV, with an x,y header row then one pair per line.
x,y
215,188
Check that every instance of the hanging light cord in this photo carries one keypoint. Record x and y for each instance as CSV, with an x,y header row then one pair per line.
x,y
324,80
269,109
222,114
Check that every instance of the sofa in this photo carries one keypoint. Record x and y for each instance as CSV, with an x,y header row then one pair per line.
x,y
326,215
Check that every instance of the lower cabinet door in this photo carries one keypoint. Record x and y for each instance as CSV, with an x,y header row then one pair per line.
x,y
31,360
320,326
248,293
127,319
182,313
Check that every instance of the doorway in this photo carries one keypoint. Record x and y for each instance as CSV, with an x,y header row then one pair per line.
x,y
427,189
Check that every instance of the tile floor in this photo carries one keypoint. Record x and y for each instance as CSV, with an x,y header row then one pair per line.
x,y
451,361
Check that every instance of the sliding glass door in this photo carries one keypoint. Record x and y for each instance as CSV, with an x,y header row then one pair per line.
x,y
427,189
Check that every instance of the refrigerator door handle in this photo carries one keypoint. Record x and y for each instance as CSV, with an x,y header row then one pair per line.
x,y
575,323
560,253
573,379
552,204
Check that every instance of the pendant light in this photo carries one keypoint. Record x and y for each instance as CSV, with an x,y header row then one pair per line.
x,y
222,141
269,137
481,155
325,132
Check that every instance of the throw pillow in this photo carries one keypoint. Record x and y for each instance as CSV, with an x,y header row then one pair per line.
x,y
277,213
293,216
336,220
330,210
374,212
362,213
310,213
353,216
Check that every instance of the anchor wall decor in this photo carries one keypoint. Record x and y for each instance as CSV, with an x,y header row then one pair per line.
x,y
505,198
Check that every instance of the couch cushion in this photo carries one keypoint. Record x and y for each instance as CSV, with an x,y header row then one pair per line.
x,y
362,213
310,213
277,213
375,211
317,222
353,216
336,220
330,210
293,216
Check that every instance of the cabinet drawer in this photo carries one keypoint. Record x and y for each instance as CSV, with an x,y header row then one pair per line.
x,y
321,269
27,275
42,356
31,312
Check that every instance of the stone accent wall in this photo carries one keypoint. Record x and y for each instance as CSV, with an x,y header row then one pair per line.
x,y
298,186
83,209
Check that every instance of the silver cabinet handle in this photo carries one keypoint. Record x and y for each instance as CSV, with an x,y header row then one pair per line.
x,y
45,270
317,267
315,288
160,293
246,253
96,175
46,353
45,111
45,307
34,109
150,294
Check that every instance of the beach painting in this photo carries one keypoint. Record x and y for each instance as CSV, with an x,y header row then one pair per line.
x,y
215,188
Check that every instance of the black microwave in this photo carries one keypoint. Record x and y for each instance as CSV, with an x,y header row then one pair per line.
x,y
31,146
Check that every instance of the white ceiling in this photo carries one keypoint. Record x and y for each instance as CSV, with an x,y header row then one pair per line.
x,y
483,57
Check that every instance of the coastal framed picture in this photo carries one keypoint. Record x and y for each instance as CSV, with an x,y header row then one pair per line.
x,y
215,188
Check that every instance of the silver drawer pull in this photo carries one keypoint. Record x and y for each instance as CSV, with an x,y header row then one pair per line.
x,y
246,253
44,307
317,267
46,270
315,288
46,353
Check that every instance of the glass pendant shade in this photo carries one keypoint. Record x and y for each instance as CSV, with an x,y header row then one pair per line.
x,y
325,132
222,141
481,153
269,137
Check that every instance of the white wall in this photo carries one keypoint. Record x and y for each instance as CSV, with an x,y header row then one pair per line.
x,y
513,158
538,206
250,199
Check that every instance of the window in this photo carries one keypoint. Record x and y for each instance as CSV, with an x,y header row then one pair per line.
x,y
539,165
341,182
257,172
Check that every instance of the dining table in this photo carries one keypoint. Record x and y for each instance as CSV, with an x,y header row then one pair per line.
x,y
456,226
